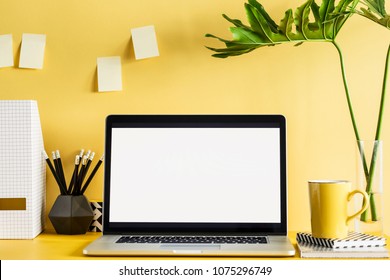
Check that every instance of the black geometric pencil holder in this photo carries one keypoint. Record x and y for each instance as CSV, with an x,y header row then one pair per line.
x,y
71,214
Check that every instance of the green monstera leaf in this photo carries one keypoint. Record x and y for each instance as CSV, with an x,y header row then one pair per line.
x,y
310,23
296,27
375,10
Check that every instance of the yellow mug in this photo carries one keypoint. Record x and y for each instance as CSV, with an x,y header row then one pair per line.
x,y
329,207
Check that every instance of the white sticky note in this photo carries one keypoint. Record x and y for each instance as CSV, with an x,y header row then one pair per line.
x,y
32,51
6,52
144,42
109,73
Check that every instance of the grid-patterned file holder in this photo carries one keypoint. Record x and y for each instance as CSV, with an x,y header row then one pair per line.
x,y
22,170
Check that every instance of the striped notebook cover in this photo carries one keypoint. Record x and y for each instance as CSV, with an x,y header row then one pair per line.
x,y
354,240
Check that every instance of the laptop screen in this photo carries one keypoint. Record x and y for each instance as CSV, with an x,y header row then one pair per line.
x,y
195,173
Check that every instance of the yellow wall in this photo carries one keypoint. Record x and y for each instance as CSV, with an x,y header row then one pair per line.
x,y
303,83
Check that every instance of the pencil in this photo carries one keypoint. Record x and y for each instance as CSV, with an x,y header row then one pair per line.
x,y
76,186
57,169
61,170
81,153
74,175
56,166
90,158
88,153
92,175
81,175
54,173
53,155
77,175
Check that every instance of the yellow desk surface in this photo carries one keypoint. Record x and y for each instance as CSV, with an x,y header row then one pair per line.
x,y
51,246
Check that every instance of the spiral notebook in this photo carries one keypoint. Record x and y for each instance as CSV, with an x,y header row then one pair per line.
x,y
355,245
353,240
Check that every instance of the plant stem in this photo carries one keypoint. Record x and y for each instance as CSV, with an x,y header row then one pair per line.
x,y
369,180
355,129
347,90
367,172
374,216
380,117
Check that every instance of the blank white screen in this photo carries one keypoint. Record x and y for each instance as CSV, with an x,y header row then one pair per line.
x,y
195,175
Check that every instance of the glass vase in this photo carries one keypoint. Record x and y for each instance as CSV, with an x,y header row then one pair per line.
x,y
369,158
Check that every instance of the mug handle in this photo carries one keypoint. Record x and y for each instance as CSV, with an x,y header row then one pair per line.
x,y
365,203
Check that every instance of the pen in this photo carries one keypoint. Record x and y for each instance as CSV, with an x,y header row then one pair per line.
x,y
92,175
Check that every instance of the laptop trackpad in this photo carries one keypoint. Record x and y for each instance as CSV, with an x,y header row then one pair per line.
x,y
189,248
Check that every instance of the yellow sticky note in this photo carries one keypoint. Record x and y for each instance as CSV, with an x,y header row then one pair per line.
x,y
109,73
6,53
32,51
144,42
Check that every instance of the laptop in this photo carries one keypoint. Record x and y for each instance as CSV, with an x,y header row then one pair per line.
x,y
194,185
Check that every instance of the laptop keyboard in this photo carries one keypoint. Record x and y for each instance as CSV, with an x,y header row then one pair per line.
x,y
194,239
